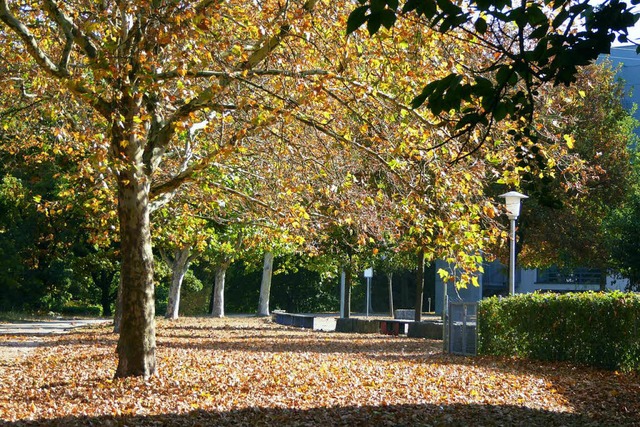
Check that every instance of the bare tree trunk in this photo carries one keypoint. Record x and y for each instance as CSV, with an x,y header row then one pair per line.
x,y
137,342
390,282
103,279
265,286
218,291
179,268
419,286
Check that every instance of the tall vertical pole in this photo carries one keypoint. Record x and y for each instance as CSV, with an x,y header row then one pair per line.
x,y
342,293
390,281
368,294
512,200
512,258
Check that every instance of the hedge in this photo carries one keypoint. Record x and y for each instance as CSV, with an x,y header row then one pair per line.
x,y
598,329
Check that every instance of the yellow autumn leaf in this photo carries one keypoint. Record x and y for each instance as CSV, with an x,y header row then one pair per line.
x,y
570,140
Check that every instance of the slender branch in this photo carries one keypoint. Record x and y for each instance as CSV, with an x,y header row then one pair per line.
x,y
175,182
269,46
70,30
30,42
243,195
318,126
245,73
10,111
42,59
157,145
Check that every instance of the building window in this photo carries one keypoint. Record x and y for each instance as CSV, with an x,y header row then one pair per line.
x,y
568,276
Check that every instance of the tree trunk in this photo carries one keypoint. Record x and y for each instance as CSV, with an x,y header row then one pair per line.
x,y
179,268
419,286
137,342
103,280
390,282
105,299
404,291
218,291
117,317
347,290
265,286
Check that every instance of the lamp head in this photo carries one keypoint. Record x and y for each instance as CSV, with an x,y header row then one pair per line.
x,y
512,200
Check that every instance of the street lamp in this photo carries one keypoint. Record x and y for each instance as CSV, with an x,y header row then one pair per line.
x,y
368,274
512,200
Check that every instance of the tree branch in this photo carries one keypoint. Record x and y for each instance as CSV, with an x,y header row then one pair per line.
x,y
71,31
30,42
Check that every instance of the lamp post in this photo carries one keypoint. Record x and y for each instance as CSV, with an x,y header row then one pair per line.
x,y
512,200
368,274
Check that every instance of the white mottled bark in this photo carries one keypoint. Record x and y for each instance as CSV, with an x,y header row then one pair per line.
x,y
179,268
218,292
265,286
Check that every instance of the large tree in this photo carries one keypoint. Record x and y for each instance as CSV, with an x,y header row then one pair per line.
x,y
150,71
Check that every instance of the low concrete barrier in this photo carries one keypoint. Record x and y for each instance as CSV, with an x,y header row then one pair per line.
x,y
359,326
291,319
430,330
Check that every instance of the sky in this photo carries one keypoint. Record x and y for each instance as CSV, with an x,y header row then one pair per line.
x,y
634,33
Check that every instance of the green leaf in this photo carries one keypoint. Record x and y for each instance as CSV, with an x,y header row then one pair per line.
x,y
427,91
357,18
388,18
481,25
374,23
393,4
483,87
503,75
426,8
468,119
378,5
500,112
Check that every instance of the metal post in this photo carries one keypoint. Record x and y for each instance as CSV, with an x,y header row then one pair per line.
x,y
368,294
512,259
342,292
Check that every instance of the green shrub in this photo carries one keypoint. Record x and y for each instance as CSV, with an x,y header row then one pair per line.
x,y
79,309
598,329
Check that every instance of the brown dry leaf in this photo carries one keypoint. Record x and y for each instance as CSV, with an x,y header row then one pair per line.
x,y
249,371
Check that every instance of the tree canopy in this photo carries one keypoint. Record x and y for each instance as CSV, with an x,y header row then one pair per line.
x,y
179,107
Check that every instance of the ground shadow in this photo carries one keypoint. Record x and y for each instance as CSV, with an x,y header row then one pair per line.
x,y
392,415
376,347
295,343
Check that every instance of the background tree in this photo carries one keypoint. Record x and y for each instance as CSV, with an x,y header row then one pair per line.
x,y
621,229
564,224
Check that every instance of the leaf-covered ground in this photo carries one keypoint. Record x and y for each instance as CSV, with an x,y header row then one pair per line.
x,y
251,372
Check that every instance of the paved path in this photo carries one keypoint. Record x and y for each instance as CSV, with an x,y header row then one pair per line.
x,y
48,327
18,339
